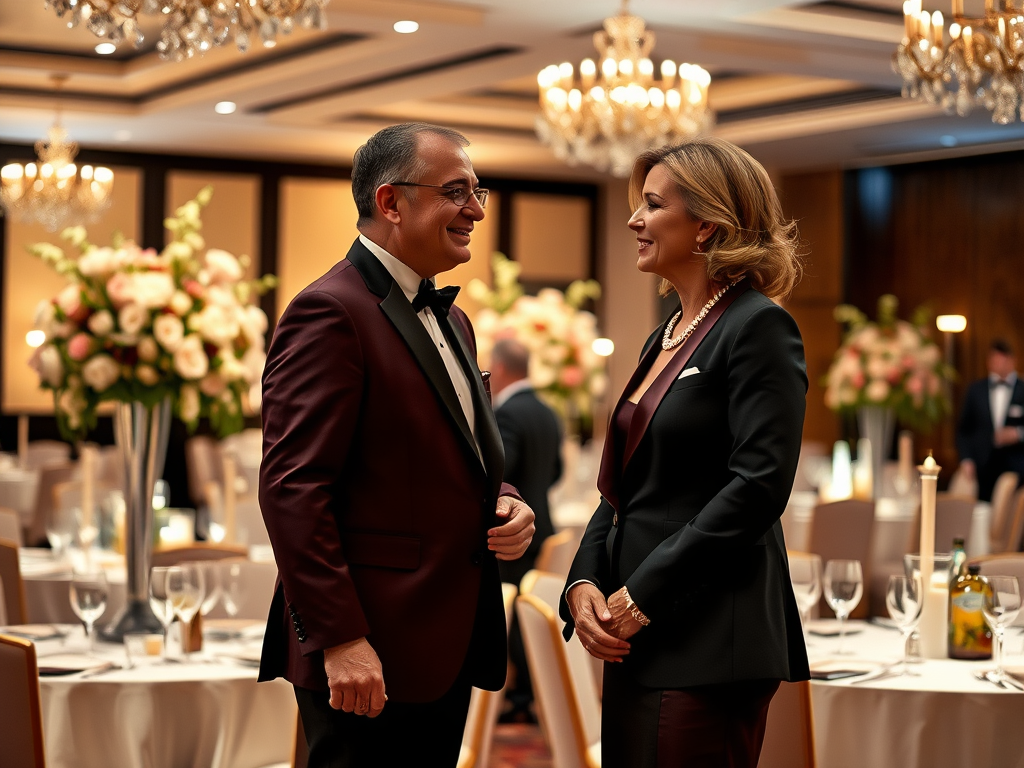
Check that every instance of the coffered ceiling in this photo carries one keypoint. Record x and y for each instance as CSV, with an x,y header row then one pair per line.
x,y
801,85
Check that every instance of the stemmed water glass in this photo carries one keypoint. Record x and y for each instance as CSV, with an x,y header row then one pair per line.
x,y
88,594
160,601
805,573
232,587
903,599
185,588
844,586
1000,609
61,530
212,581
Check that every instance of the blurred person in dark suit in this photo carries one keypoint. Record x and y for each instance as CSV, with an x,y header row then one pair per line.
x,y
381,482
990,435
532,438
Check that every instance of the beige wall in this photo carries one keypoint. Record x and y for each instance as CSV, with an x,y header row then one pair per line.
x,y
551,236
231,220
27,281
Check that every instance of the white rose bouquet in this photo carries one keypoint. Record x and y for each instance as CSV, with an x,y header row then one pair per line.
x,y
564,369
889,363
135,325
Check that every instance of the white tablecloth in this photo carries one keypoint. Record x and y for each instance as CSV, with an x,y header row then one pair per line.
x,y
944,717
209,714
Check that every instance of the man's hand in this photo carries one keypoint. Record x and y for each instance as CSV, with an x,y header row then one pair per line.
x,y
967,469
510,540
622,624
1006,436
356,678
593,622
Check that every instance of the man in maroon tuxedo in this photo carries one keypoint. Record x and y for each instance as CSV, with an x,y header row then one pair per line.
x,y
381,483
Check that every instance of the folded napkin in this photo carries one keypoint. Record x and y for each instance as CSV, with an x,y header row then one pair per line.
x,y
836,669
35,632
69,664
830,627
230,629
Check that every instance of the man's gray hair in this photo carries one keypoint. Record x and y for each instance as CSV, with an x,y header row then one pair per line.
x,y
389,156
512,354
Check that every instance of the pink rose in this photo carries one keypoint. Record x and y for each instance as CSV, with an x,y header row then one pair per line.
x,y
194,289
571,376
120,289
80,346
857,379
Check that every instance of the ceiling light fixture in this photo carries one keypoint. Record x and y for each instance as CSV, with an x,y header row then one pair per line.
x,y
105,49
406,27
225,107
980,63
192,27
53,191
614,109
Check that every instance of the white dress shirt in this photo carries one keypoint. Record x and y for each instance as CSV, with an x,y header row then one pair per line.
x,y
999,399
521,385
409,281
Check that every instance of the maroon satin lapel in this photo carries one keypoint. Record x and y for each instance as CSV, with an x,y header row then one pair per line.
x,y
609,474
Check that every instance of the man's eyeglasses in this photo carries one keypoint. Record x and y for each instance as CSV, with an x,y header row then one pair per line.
x,y
458,195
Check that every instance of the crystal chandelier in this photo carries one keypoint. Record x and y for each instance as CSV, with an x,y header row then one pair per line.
x,y
192,27
608,113
54,191
979,63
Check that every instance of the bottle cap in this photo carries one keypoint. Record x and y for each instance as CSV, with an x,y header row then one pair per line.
x,y
974,569
958,542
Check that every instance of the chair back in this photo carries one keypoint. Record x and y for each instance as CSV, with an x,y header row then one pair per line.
x,y
1016,530
953,515
1005,564
557,551
49,477
1002,509
789,733
168,556
10,581
553,686
484,706
960,484
21,717
842,530
45,453
10,526
253,591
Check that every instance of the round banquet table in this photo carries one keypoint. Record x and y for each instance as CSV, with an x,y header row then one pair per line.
x,y
943,717
210,713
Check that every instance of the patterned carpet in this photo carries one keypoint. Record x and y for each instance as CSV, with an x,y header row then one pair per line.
x,y
519,746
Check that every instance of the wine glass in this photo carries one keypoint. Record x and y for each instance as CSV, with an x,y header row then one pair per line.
x,y
185,588
212,582
805,573
844,586
1000,609
88,594
160,601
903,599
232,587
61,530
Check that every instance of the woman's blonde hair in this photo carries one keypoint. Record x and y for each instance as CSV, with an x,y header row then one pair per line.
x,y
722,184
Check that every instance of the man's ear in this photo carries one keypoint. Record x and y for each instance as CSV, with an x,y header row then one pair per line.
x,y
386,199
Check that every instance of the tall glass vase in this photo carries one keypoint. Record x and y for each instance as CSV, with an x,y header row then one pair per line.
x,y
141,433
877,424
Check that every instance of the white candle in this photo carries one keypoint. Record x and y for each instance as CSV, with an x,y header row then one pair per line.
x,y
906,457
842,480
863,475
23,441
88,459
229,498
933,626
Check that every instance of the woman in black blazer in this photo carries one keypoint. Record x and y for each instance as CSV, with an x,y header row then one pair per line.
x,y
681,583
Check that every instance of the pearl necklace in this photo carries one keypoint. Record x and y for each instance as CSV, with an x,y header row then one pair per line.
x,y
667,342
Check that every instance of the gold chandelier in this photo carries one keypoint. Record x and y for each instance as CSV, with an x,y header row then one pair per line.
x,y
606,114
192,27
54,191
979,62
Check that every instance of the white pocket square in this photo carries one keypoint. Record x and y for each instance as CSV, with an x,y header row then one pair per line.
x,y
1015,411
688,372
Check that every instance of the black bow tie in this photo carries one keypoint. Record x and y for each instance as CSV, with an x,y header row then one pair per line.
x,y
1000,383
439,300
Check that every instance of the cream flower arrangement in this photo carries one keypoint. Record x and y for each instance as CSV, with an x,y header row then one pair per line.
x,y
135,325
560,335
889,363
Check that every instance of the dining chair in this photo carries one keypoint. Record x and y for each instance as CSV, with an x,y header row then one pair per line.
x,y
789,732
10,525
1016,532
49,477
1002,509
21,716
1003,564
842,530
167,556
484,706
45,453
12,584
953,513
559,708
558,550
962,484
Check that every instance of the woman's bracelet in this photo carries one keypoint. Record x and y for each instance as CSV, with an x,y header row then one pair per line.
x,y
634,611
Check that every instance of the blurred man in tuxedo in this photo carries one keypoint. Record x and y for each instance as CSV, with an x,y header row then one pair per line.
x,y
381,482
990,436
533,463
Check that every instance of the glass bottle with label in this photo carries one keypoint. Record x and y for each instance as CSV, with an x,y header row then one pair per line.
x,y
969,635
